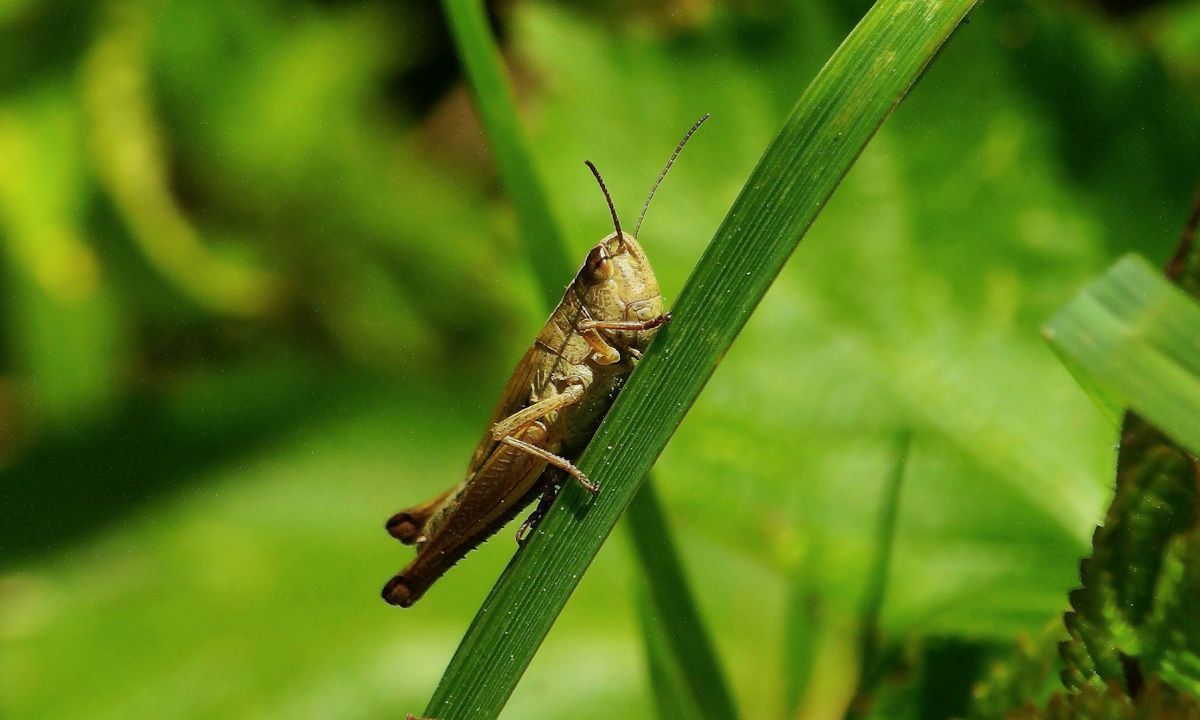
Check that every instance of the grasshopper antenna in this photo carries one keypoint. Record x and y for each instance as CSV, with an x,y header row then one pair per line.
x,y
608,198
678,149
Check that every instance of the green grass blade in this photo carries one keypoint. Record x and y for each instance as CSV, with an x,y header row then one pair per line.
x,y
1138,336
803,623
871,607
494,100
681,630
828,128
672,696
686,647
872,657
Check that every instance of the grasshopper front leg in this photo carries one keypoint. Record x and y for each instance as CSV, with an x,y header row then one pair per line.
x,y
624,325
603,352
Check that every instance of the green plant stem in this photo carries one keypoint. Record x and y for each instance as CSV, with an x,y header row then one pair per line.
x,y
688,646
832,122
497,108
671,697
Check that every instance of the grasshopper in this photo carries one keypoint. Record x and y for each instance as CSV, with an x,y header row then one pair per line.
x,y
550,407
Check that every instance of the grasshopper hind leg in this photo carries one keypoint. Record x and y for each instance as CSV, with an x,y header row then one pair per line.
x,y
552,484
408,526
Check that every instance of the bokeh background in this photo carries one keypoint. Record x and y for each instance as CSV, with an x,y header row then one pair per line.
x,y
260,288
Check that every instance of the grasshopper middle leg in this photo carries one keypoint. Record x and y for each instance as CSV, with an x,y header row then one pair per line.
x,y
506,431
511,424
557,461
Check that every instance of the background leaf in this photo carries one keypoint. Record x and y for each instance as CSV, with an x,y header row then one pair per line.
x,y
1124,658
1140,336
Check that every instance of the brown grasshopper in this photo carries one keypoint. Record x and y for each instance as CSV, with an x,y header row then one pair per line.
x,y
549,410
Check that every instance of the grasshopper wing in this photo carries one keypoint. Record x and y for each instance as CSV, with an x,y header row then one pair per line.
x,y
516,396
506,482
408,526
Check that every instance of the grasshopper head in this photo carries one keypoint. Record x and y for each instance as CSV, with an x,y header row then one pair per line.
x,y
617,267
617,283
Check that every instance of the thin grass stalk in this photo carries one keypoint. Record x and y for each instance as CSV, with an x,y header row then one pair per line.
x,y
688,647
830,125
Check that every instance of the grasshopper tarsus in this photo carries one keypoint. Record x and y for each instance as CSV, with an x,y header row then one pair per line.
x,y
524,530
587,484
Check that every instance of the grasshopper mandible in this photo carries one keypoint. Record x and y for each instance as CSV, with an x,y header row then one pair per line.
x,y
549,410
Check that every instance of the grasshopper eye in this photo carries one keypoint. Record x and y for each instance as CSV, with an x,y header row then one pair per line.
x,y
598,267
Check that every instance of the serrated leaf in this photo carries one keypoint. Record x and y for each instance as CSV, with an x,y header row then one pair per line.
x,y
1158,702
1118,622
1173,633
1135,615
1133,624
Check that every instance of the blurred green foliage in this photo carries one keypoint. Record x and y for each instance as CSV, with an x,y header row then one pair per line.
x,y
259,288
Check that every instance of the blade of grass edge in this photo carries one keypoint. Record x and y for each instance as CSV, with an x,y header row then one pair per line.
x,y
689,651
832,122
